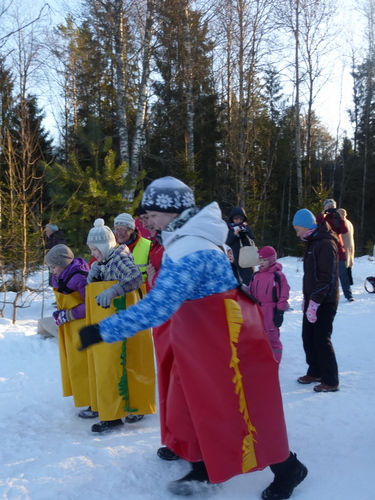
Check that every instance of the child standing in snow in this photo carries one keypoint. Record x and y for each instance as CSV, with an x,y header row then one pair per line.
x,y
270,288
69,276
122,375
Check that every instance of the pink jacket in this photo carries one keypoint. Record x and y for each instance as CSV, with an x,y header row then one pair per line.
x,y
261,287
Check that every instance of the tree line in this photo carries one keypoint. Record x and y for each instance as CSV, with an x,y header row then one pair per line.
x,y
194,89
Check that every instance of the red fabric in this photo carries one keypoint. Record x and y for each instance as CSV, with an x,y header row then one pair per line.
x,y
155,258
199,408
145,233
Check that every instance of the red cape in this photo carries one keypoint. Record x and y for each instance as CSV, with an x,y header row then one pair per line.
x,y
219,391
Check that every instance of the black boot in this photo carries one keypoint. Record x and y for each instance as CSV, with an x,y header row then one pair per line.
x,y
106,425
288,475
196,482
167,454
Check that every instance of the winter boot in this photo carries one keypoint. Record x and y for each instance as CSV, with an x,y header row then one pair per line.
x,y
88,413
288,475
167,454
132,419
106,425
196,482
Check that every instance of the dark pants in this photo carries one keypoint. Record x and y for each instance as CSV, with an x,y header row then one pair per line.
x,y
344,280
316,337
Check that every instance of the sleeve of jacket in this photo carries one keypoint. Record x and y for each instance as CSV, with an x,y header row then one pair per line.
x,y
282,303
127,273
79,311
326,270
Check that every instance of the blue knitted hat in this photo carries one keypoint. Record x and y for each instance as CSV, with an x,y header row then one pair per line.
x,y
304,218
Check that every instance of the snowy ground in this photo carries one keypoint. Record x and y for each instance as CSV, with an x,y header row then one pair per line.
x,y
47,452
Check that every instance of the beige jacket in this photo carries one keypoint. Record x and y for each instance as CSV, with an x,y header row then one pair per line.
x,y
348,239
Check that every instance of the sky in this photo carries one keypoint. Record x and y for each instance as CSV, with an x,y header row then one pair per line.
x,y
47,452
330,105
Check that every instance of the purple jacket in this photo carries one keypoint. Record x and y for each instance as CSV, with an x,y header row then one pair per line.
x,y
71,280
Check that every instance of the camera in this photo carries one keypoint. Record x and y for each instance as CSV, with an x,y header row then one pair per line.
x,y
331,210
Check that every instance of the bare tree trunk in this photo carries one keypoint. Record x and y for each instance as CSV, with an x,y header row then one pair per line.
x,y
297,113
121,114
143,91
189,91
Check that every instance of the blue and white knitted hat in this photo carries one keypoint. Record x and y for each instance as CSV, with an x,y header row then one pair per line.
x,y
168,194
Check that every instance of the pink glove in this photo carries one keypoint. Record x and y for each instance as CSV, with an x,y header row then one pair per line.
x,y
311,311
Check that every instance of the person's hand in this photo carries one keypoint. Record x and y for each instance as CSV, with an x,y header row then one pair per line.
x,y
89,335
104,299
311,311
151,271
94,273
60,317
278,317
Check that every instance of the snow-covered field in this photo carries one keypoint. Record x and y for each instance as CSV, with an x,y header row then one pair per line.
x,y
47,452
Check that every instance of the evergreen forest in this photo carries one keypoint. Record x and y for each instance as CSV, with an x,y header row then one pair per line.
x,y
220,94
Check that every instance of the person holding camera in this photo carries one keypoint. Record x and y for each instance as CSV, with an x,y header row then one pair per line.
x,y
240,234
338,224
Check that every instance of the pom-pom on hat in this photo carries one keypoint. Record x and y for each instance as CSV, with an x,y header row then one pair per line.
x,y
101,237
268,253
125,220
59,255
168,194
327,203
304,218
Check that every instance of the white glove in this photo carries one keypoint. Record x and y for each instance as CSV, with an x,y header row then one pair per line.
x,y
104,299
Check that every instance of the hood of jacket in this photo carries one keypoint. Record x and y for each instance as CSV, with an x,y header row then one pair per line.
x,y
237,211
206,225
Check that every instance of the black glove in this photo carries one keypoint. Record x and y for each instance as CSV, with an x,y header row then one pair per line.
x,y
278,317
89,335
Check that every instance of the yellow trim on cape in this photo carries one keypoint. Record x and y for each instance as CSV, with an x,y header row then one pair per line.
x,y
235,320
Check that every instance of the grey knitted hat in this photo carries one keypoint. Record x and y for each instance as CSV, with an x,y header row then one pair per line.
x,y
59,255
168,194
101,237
125,220
329,202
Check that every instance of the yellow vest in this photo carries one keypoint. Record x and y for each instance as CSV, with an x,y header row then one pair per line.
x,y
141,253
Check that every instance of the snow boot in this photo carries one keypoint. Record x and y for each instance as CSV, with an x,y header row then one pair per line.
x,y
132,419
106,425
288,475
196,482
88,413
167,454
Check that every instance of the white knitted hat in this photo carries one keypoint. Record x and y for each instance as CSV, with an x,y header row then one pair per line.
x,y
124,220
101,237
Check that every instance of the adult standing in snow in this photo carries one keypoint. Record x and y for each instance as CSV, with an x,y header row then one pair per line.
x,y
320,300
69,275
122,375
240,233
349,245
340,227
211,351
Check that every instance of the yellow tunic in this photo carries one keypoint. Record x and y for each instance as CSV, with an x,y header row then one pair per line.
x,y
74,365
106,370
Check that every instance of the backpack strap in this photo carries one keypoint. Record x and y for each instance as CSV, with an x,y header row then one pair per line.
x,y
275,298
62,283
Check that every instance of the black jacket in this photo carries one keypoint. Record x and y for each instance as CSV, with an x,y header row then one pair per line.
x,y
320,279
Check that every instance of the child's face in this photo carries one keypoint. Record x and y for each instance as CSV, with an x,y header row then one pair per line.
x,y
230,255
264,263
56,270
237,219
95,252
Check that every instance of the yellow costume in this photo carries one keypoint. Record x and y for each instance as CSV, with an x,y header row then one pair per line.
x,y
74,364
106,370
